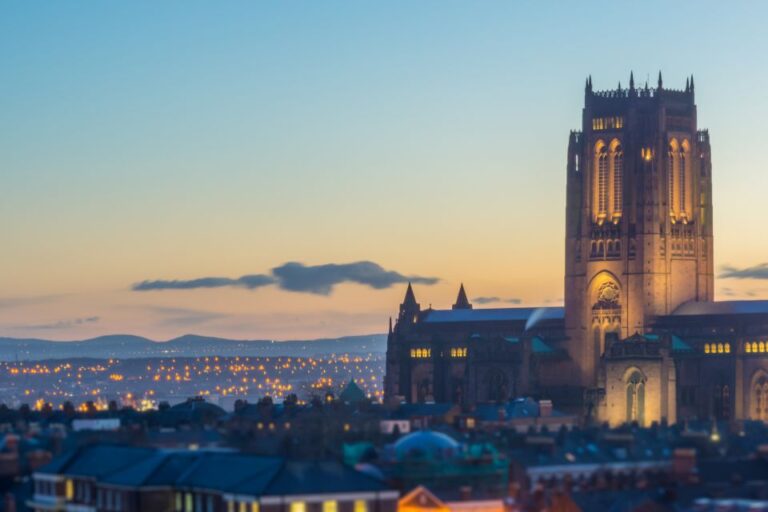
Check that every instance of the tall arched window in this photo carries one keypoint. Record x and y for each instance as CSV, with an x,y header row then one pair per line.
x,y
671,174
602,182
635,397
760,398
683,172
617,161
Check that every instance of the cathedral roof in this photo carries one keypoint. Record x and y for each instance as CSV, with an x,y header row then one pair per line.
x,y
726,307
493,315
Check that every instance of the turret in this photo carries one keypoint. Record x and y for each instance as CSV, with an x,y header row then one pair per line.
x,y
409,309
461,300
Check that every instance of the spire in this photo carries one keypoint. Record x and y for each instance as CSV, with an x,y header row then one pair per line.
x,y
410,297
390,325
687,85
631,81
691,83
661,83
461,300
409,309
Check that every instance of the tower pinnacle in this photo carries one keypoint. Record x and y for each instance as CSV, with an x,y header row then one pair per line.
x,y
461,300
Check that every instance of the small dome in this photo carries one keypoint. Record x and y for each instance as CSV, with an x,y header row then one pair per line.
x,y
426,443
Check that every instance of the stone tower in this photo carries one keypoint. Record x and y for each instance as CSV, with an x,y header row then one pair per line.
x,y
638,216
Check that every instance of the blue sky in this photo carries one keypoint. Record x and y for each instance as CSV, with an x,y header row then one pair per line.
x,y
179,140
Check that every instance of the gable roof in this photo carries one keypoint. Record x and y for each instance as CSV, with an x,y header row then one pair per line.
x,y
319,478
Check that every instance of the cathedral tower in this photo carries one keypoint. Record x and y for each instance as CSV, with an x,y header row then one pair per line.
x,y
638,216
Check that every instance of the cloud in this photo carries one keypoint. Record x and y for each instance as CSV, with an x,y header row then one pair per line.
x,y
757,272
490,300
64,324
250,282
297,277
320,279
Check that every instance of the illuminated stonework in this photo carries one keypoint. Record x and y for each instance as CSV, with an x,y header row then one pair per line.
x,y
640,337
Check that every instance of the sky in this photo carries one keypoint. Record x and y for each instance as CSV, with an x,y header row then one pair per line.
x,y
301,161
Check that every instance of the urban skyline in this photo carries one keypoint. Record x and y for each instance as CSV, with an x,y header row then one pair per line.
x,y
150,143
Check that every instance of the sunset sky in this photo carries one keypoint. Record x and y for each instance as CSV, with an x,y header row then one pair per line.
x,y
143,143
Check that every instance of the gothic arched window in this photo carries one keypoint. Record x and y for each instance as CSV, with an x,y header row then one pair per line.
x,y
617,161
635,397
759,398
602,182
682,172
671,197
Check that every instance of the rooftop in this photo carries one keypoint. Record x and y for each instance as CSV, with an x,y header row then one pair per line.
x,y
493,315
727,307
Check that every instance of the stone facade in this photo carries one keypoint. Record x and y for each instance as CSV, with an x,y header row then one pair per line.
x,y
639,337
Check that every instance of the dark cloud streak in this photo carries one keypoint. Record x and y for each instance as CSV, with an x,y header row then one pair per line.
x,y
757,272
297,277
491,300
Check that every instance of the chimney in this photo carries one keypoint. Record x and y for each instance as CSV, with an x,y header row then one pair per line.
x,y
545,408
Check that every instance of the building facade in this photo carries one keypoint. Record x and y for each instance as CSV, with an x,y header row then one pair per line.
x,y
640,337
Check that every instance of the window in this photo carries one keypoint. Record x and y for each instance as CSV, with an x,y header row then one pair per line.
x,y
298,506
635,397
421,353
254,506
69,489
330,506
360,506
459,352
243,507
673,148
179,505
618,177
230,506
682,173
602,183
188,503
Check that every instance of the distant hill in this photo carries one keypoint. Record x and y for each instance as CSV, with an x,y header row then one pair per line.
x,y
124,346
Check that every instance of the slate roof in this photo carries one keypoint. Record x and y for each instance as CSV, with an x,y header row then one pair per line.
x,y
320,478
98,460
161,469
491,315
225,471
229,472
726,307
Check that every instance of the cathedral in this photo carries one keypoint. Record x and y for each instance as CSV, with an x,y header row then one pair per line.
x,y
640,337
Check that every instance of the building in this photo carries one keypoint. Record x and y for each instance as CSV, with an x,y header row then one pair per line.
x,y
639,338
123,478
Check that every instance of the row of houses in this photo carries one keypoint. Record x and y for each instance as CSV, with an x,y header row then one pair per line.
x,y
115,478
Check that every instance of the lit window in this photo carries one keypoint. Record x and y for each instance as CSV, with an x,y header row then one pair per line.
x,y
706,348
747,348
360,506
618,179
330,506
243,507
720,348
298,506
69,489
254,506
754,347
727,348
230,506
761,345
179,503
188,504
